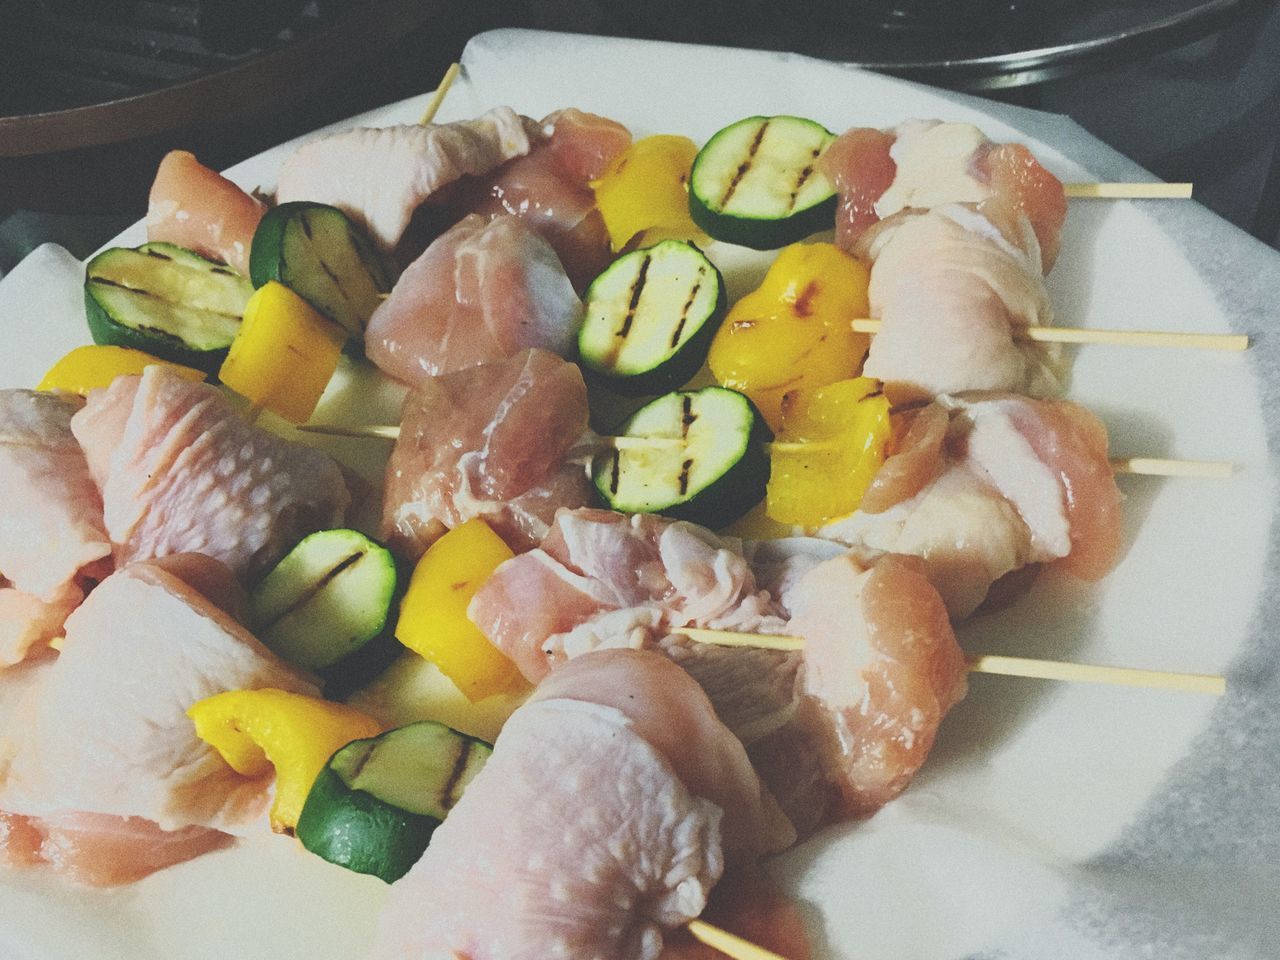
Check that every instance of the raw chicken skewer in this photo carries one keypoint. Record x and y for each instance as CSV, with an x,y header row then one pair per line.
x,y
1136,466
1233,342
1001,665
1042,334
601,580
959,233
1093,191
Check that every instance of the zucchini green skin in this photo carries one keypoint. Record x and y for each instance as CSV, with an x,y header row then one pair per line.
x,y
377,802
756,232
678,366
356,830
267,262
763,234
264,253
326,600
717,504
107,331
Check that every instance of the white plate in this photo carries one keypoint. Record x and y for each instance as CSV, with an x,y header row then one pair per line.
x,y
1009,839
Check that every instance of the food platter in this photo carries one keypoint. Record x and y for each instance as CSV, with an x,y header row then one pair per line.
x,y
1030,788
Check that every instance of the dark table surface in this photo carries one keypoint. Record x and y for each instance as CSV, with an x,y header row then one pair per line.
x,y
1189,88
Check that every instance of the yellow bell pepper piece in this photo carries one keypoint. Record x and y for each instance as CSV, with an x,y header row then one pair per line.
x,y
255,730
793,332
433,614
645,190
832,444
89,368
284,355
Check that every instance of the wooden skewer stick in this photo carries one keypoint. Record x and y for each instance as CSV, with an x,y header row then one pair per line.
x,y
1139,466
1118,338
445,83
1132,191
392,432
1090,673
387,432
730,944
1004,666
734,638
1156,467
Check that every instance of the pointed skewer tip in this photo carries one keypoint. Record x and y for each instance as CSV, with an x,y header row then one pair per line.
x,y
1128,191
445,83
730,944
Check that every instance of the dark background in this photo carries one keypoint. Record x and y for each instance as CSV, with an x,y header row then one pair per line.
x,y
1189,89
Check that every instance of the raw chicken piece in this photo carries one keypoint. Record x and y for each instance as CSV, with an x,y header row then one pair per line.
x,y
482,292
603,580
210,578
966,533
607,579
790,764
550,189
509,877
27,622
105,728
780,564
488,441
881,670
581,145
922,164
379,176
986,484
1072,444
915,458
53,526
533,597
1020,185
860,165
52,541
180,471
677,719
104,731
197,208
952,295
100,850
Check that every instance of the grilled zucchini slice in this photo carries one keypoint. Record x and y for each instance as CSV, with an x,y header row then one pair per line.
x,y
319,253
693,455
650,318
166,301
756,182
329,597
376,803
